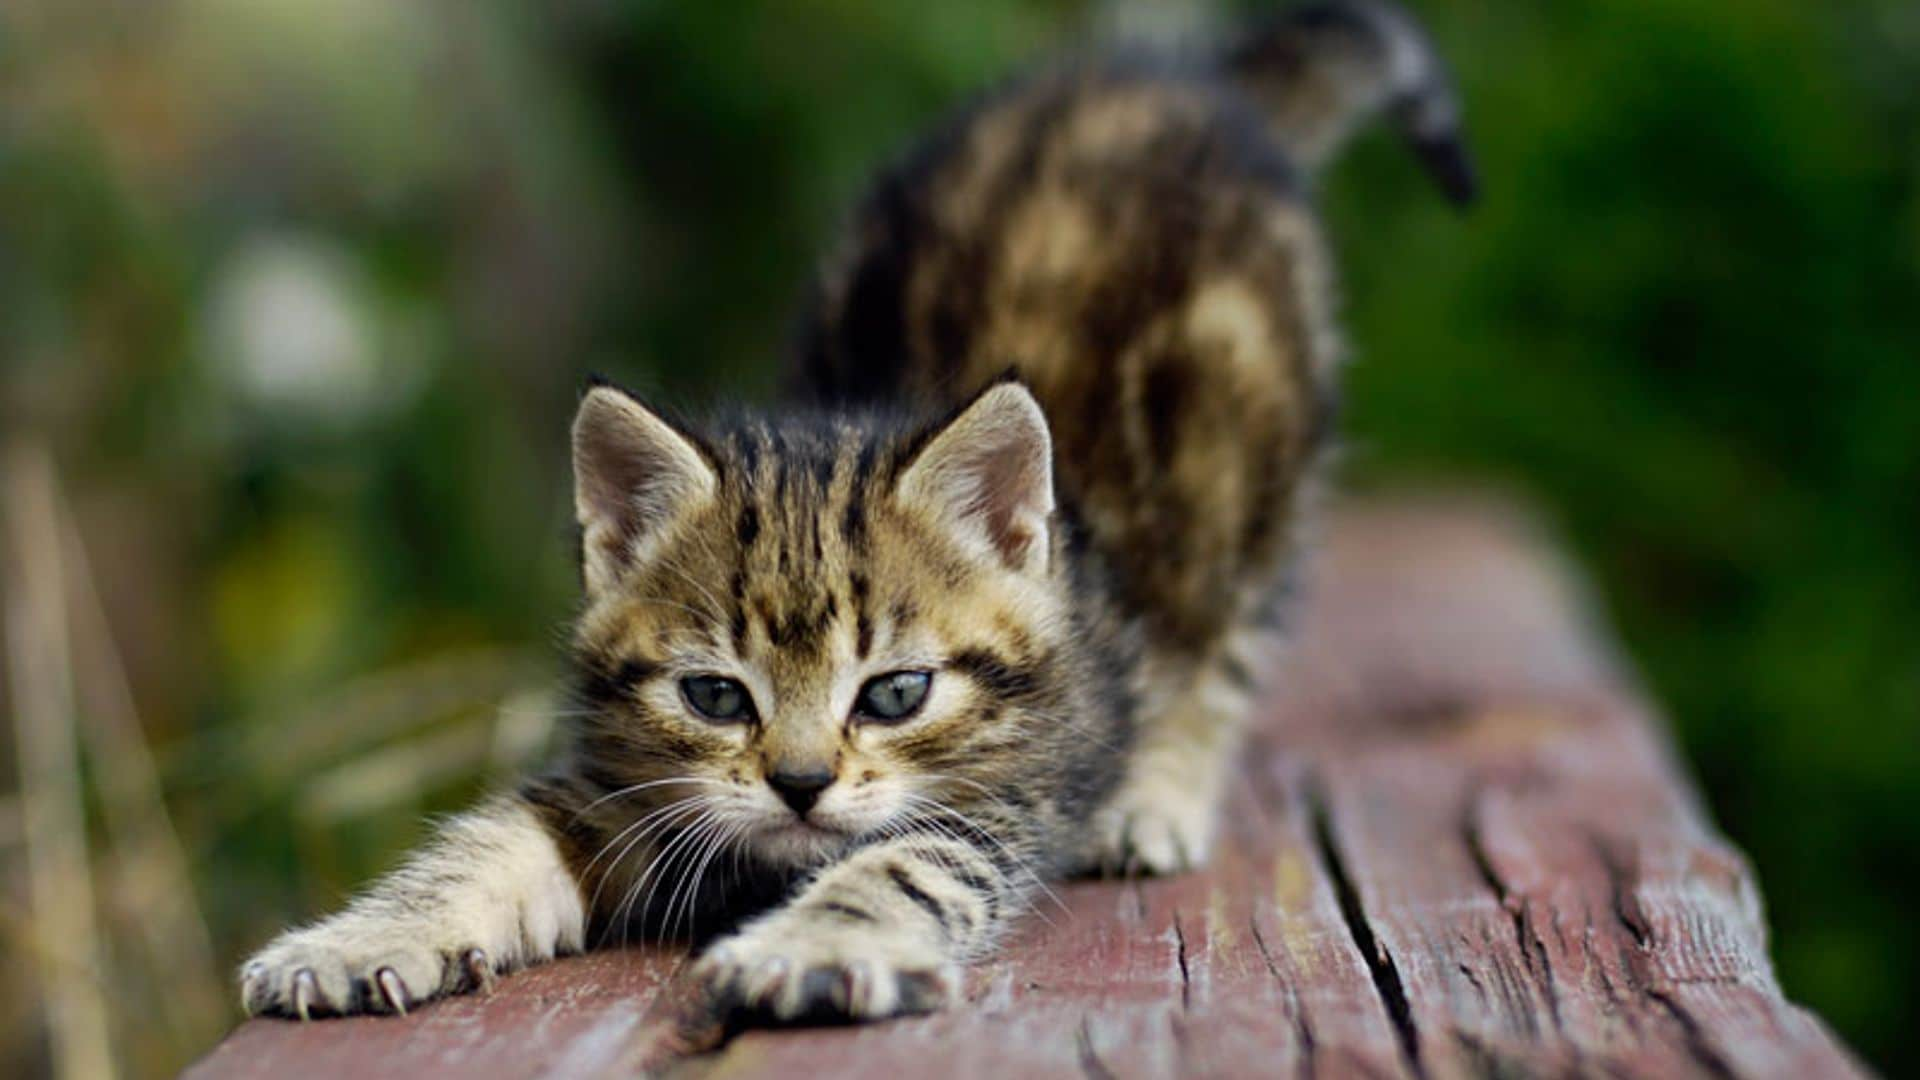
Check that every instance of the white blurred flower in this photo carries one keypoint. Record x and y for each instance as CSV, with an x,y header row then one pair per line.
x,y
294,334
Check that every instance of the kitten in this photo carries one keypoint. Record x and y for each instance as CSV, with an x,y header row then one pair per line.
x,y
973,611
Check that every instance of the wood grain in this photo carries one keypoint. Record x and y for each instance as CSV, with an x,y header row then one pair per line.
x,y
1459,845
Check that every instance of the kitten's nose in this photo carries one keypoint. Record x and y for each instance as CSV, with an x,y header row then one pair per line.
x,y
800,790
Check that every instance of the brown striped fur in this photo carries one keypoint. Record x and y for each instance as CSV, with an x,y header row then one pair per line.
x,y
1058,405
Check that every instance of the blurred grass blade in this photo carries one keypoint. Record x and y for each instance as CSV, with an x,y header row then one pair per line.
x,y
153,885
40,674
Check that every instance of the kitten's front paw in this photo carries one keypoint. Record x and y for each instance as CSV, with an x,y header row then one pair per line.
x,y
1153,830
343,968
796,968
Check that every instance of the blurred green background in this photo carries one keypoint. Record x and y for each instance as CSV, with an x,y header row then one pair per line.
x,y
296,295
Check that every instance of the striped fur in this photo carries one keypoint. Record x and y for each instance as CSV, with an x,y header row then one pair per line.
x,y
1058,403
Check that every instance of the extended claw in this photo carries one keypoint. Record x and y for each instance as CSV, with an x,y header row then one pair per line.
x,y
765,978
250,978
856,987
392,990
306,991
479,970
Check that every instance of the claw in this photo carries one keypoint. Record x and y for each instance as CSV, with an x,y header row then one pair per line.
x,y
306,991
479,970
250,988
392,990
856,988
764,979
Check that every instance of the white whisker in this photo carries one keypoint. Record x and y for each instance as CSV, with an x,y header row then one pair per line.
x,y
662,818
1018,860
656,872
577,814
725,835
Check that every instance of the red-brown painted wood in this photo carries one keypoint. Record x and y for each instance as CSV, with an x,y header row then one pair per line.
x,y
1458,845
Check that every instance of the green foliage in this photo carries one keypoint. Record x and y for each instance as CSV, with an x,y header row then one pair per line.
x,y
1683,321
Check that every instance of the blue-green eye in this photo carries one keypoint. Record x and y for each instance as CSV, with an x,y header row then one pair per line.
x,y
717,698
894,696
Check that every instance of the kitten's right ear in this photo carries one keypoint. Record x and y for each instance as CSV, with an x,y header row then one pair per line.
x,y
633,475
987,476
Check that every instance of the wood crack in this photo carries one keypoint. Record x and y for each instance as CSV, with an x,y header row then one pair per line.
x,y
1626,909
1090,1064
1697,1044
1180,956
1380,965
1302,1027
1182,1052
1532,949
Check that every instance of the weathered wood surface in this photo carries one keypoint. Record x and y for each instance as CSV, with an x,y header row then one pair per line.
x,y
1459,846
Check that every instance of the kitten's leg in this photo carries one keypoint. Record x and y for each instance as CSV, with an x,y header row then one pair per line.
x,y
1164,817
882,933
490,893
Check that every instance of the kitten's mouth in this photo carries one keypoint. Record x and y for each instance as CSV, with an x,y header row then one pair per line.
x,y
800,829
799,842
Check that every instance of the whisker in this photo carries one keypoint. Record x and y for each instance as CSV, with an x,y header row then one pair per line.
x,y
1025,866
693,800
729,830
703,616
919,818
662,859
684,808
669,914
694,856
635,788
656,872
714,607
1077,726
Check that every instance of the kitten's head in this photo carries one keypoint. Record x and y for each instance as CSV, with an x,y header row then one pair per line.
x,y
806,631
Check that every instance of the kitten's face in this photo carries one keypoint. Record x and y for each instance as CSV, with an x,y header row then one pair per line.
x,y
804,638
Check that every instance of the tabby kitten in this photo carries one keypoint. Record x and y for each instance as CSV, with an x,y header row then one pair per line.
x,y
974,610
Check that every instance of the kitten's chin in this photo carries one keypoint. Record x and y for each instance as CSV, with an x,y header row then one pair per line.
x,y
796,843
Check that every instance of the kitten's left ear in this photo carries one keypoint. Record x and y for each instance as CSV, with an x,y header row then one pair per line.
x,y
988,476
634,476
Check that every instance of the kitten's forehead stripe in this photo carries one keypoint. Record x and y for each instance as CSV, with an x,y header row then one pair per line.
x,y
737,622
859,587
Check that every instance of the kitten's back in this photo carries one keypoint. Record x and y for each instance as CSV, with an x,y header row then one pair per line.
x,y
1130,234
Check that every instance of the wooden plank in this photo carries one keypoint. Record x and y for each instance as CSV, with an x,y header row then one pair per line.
x,y
593,1015
1528,859
1459,845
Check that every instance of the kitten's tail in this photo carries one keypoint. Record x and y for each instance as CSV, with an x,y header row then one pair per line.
x,y
1322,68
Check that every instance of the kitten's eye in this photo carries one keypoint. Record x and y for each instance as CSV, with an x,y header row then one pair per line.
x,y
716,697
893,696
